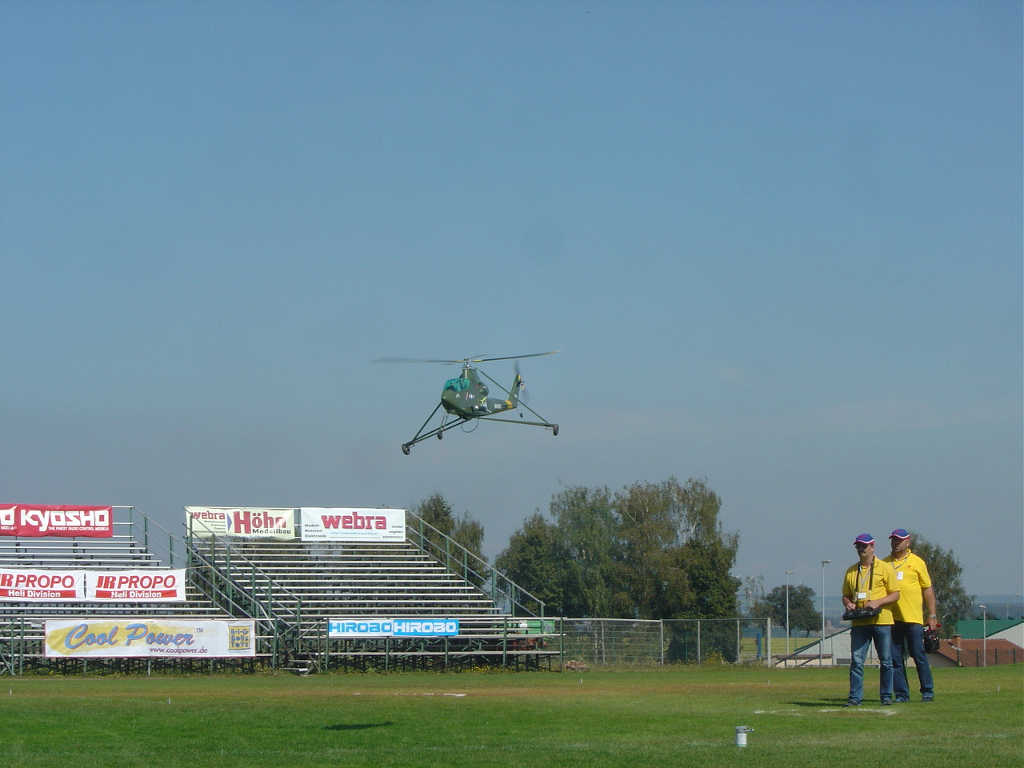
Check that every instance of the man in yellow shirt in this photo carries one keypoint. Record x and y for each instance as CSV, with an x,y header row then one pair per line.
x,y
915,587
870,583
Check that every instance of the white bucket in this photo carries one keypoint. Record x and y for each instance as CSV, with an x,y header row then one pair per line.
x,y
741,735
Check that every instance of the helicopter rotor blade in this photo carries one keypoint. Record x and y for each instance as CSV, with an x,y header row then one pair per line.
x,y
509,357
459,361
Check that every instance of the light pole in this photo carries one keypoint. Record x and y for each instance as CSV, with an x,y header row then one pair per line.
x,y
984,635
788,574
821,644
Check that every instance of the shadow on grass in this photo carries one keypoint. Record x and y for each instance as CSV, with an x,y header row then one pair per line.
x,y
356,726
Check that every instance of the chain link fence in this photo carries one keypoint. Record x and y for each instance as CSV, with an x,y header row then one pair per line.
x,y
601,642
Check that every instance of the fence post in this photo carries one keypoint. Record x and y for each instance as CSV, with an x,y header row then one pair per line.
x,y
739,645
561,642
698,641
661,639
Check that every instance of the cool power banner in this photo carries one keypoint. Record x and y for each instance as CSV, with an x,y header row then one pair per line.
x,y
352,524
152,638
363,627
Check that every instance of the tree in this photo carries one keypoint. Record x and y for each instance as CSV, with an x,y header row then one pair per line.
x,y
437,512
802,615
945,570
588,540
533,560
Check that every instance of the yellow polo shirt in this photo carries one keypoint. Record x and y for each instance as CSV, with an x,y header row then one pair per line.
x,y
911,579
858,580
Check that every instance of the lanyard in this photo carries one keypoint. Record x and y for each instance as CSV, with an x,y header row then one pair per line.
x,y
871,578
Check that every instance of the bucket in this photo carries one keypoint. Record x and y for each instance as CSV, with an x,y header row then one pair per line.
x,y
741,735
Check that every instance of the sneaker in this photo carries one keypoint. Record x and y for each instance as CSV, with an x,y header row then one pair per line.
x,y
927,699
886,702
902,701
852,703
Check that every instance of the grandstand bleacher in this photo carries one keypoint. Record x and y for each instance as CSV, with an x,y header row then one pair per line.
x,y
291,589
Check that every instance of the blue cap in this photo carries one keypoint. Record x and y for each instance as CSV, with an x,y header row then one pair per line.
x,y
899,533
864,538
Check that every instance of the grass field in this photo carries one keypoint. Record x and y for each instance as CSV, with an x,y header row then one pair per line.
x,y
663,717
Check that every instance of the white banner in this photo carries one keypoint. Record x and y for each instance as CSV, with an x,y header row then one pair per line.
x,y
150,586
241,522
352,524
32,585
150,637
376,627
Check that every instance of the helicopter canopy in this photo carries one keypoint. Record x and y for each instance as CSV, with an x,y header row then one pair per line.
x,y
459,384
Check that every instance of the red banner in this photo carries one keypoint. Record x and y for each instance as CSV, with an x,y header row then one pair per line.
x,y
61,520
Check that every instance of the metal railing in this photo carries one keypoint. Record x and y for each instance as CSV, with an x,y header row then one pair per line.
x,y
507,596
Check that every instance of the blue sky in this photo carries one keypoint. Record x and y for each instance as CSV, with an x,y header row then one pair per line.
x,y
778,245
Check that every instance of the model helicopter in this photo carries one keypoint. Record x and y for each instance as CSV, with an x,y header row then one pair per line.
x,y
466,397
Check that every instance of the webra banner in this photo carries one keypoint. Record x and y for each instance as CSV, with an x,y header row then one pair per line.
x,y
31,585
149,637
32,520
241,522
352,524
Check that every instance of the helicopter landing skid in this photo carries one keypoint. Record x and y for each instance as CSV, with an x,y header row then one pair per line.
x,y
438,432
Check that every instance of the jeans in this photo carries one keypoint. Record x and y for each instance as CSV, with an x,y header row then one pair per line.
x,y
909,639
860,638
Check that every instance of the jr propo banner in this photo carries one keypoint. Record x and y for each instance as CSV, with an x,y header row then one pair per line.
x,y
149,637
241,522
61,520
373,627
146,586
352,524
34,585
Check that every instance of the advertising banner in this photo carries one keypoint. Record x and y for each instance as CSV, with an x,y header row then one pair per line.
x,y
374,627
352,524
150,637
61,520
35,585
241,522
31,585
148,586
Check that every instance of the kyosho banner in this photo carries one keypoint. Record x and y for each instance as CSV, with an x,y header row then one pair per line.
x,y
32,585
374,627
352,524
241,522
149,586
60,520
149,637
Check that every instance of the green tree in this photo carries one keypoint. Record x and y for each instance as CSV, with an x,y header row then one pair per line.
x,y
533,559
802,615
588,539
652,529
437,512
945,570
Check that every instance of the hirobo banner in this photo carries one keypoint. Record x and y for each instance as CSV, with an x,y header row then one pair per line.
x,y
352,524
241,522
150,637
56,520
374,627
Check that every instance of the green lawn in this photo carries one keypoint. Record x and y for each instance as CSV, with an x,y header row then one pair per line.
x,y
667,717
